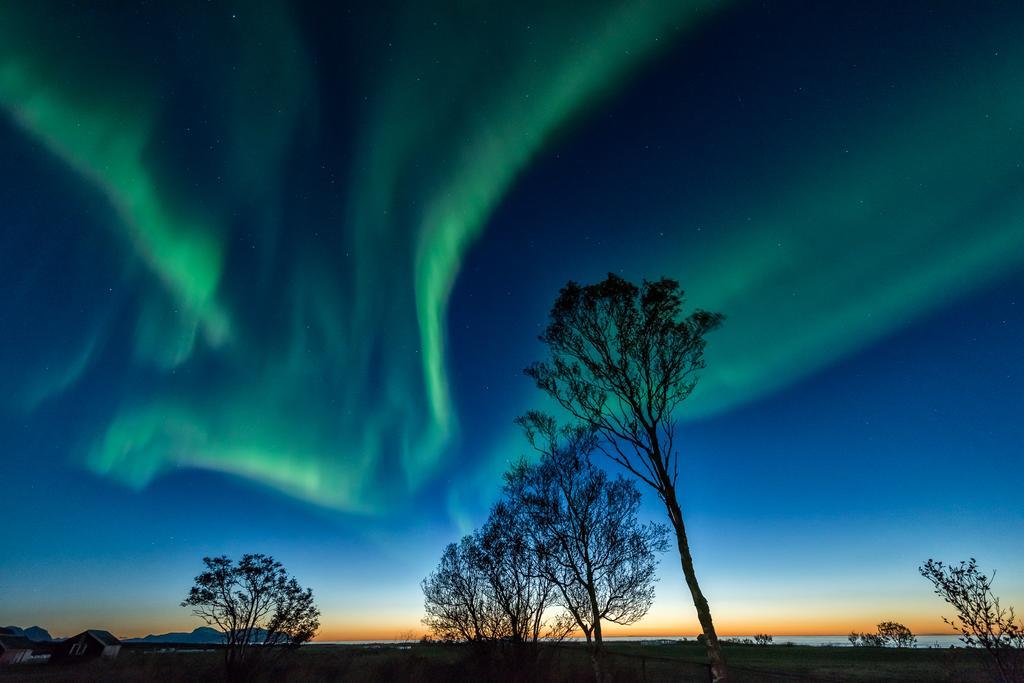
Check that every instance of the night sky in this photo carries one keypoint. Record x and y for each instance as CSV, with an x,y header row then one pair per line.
x,y
270,272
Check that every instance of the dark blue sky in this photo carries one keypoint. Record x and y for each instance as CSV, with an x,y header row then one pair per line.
x,y
270,290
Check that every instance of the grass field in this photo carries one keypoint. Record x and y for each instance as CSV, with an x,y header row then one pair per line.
x,y
569,663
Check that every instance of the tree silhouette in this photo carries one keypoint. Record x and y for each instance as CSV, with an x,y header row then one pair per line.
x,y
456,599
514,579
621,360
866,639
255,604
489,586
887,634
896,634
980,618
584,529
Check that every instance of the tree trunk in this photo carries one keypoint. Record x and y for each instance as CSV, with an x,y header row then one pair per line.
x,y
597,654
595,661
718,669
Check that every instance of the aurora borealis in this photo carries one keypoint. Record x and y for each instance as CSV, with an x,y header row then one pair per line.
x,y
347,304
291,258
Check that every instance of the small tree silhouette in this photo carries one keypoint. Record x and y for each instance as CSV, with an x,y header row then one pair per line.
x,y
455,596
489,591
256,604
888,634
896,634
980,619
514,580
584,529
489,587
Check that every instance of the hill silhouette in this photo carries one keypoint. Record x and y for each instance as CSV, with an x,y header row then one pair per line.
x,y
34,633
201,635
204,635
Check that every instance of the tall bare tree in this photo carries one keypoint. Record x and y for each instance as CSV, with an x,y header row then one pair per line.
x,y
255,603
584,529
621,360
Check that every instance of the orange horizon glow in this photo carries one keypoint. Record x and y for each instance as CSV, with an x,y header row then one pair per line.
x,y
928,627
399,626
378,632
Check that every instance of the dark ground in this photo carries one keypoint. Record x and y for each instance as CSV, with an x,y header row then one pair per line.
x,y
629,662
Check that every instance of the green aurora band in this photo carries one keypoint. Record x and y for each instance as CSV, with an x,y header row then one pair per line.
x,y
353,381
469,150
105,138
910,215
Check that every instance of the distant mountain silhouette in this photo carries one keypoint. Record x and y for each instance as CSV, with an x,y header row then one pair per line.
x,y
34,633
202,635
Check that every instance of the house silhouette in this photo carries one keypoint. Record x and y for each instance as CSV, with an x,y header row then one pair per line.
x,y
87,645
17,649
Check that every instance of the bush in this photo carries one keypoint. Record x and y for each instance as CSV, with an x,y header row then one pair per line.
x,y
889,634
896,634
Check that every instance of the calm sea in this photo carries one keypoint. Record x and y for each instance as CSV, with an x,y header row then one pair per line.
x,y
832,641
943,641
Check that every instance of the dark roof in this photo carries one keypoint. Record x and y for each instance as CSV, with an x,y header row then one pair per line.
x,y
105,637
16,643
